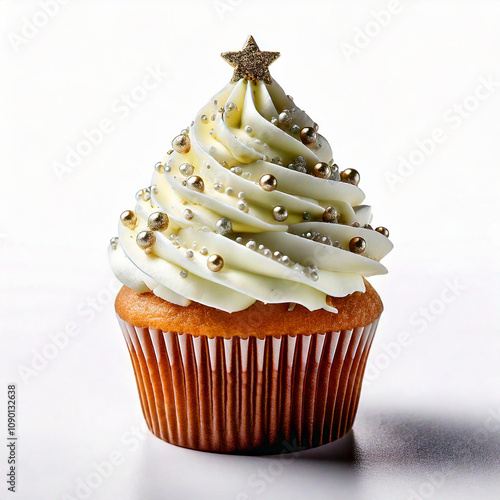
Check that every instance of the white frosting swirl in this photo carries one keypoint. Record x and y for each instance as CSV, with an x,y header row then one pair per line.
x,y
246,137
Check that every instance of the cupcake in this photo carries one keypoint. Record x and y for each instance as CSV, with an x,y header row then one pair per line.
x,y
244,306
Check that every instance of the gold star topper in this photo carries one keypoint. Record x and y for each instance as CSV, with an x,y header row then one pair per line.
x,y
250,62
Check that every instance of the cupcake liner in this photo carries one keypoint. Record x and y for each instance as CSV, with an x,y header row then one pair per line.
x,y
249,395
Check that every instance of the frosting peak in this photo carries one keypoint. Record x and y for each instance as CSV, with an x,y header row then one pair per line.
x,y
254,208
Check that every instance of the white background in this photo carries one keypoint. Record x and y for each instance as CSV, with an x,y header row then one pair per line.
x,y
429,420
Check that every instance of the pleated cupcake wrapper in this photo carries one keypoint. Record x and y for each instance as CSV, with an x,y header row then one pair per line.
x,y
249,395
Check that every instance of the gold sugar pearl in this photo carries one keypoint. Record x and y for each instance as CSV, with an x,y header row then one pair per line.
x,y
330,214
357,245
158,221
195,183
268,182
128,219
322,170
145,239
350,176
215,263
308,136
383,230
181,144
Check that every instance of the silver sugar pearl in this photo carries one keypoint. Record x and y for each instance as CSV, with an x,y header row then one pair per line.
x,y
186,169
280,213
285,117
251,244
183,274
224,226
300,161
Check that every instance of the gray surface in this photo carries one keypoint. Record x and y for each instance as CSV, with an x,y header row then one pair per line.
x,y
428,422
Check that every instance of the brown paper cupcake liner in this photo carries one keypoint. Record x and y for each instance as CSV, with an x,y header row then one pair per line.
x,y
249,395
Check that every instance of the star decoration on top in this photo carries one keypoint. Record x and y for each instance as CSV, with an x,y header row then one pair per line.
x,y
250,62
